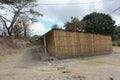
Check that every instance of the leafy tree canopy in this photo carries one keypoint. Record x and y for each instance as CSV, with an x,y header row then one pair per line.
x,y
116,35
13,1
6,1
75,24
99,23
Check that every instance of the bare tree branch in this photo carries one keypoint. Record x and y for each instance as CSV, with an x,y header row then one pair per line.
x,y
4,23
13,8
5,19
19,8
3,7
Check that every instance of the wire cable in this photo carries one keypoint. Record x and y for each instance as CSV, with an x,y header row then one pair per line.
x,y
115,10
69,4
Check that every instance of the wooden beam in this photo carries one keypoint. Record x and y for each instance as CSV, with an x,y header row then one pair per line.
x,y
45,46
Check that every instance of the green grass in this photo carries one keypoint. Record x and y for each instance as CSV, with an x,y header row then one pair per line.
x,y
116,43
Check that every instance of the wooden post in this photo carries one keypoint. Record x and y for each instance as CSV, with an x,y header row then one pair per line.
x,y
45,46
93,44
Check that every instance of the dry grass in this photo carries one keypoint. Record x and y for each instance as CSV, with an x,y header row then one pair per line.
x,y
116,49
9,53
21,65
99,62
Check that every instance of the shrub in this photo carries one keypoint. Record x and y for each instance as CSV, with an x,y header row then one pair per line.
x,y
113,44
118,44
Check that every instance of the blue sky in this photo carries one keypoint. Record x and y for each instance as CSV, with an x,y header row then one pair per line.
x,y
44,25
59,11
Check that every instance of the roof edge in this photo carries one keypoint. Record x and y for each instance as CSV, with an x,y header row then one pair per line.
x,y
69,31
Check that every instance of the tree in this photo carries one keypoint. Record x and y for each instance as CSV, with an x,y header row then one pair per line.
x,y
21,28
116,35
34,39
17,31
55,26
99,23
75,25
11,1
2,31
17,9
6,1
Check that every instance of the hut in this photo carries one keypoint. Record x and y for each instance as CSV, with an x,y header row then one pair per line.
x,y
63,43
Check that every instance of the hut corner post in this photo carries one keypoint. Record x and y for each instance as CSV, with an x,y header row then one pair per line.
x,y
45,46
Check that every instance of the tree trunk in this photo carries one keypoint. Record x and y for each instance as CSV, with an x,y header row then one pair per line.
x,y
9,31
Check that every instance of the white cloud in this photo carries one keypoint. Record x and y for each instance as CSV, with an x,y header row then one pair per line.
x,y
98,6
37,28
63,13
2,12
117,19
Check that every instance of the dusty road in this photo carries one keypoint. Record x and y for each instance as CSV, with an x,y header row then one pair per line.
x,y
23,66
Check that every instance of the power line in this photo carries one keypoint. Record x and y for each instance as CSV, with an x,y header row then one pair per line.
x,y
114,10
69,3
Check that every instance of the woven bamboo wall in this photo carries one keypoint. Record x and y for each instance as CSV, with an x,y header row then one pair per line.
x,y
50,43
102,43
74,43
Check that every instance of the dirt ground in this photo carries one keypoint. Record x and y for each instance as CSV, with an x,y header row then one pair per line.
x,y
24,66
